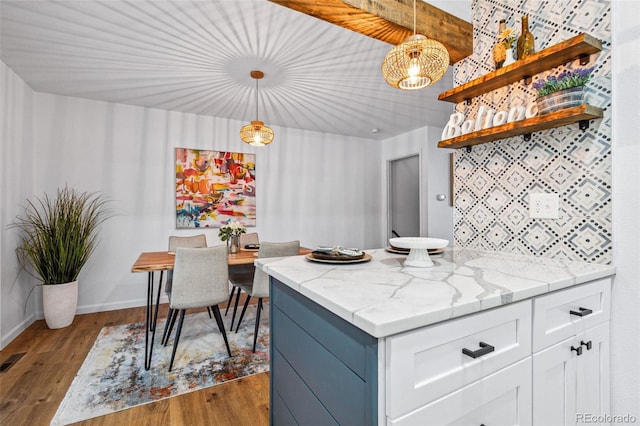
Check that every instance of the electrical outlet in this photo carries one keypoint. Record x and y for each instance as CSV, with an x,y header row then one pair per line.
x,y
543,206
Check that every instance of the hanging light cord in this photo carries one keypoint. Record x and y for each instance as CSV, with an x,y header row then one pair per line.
x,y
414,17
257,99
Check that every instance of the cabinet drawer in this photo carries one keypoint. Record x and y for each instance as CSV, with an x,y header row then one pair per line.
x,y
427,363
553,320
503,398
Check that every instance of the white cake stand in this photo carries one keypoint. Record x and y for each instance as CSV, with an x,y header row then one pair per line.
x,y
418,255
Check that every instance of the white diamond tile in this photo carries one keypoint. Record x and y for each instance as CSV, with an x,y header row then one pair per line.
x,y
515,216
516,179
588,240
497,199
480,182
497,235
465,200
539,237
481,216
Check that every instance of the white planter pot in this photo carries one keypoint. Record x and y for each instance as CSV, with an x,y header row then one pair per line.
x,y
60,302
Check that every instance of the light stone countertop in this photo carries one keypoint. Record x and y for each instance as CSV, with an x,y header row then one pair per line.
x,y
382,297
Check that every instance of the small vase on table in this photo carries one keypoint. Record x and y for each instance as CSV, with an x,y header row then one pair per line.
x,y
233,244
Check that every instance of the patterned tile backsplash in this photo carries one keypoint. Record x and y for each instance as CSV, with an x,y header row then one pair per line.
x,y
492,183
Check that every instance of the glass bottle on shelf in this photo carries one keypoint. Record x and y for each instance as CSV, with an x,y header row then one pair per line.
x,y
525,45
499,49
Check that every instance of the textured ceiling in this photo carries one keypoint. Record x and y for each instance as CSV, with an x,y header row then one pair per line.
x,y
195,56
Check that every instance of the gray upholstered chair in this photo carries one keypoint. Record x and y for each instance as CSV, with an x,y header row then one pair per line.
x,y
259,286
250,238
193,241
200,279
240,273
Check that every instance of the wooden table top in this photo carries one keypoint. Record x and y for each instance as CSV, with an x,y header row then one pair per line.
x,y
163,260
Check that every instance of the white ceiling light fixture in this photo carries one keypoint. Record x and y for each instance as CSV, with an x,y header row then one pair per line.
x,y
415,63
256,133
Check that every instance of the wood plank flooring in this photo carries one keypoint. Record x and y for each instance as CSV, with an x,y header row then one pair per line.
x,y
32,389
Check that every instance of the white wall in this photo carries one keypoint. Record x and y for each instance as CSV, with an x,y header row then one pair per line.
x,y
16,181
625,321
310,186
436,216
319,188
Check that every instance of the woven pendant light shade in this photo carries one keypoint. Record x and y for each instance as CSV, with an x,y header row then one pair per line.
x,y
415,63
256,134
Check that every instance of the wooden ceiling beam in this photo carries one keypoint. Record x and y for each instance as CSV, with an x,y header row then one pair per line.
x,y
392,21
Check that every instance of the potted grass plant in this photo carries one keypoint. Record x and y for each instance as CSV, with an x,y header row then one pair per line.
x,y
57,237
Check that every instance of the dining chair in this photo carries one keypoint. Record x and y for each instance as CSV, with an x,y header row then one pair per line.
x,y
193,241
258,287
200,279
250,238
240,273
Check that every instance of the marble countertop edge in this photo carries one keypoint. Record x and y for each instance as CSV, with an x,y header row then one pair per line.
x,y
496,278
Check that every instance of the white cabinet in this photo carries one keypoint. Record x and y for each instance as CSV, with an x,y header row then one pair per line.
x,y
565,313
571,378
428,363
502,398
569,383
542,361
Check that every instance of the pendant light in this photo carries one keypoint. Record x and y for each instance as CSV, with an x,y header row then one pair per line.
x,y
256,133
416,62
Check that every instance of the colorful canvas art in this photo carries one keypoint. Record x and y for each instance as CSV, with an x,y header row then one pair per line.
x,y
214,188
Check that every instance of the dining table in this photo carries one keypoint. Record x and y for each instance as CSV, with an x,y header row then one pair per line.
x,y
161,261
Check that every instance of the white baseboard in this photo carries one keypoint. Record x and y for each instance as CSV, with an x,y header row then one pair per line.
x,y
15,332
86,309
89,309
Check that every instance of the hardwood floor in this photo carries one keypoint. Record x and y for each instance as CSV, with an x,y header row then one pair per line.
x,y
32,389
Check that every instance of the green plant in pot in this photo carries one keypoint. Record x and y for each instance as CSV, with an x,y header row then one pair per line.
x,y
565,90
57,237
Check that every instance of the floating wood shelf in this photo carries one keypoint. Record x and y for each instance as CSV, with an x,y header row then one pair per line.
x,y
580,46
580,114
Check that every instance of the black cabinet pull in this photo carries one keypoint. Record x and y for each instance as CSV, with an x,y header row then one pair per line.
x,y
485,348
587,344
578,350
583,312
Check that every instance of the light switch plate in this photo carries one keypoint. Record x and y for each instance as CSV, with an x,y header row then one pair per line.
x,y
543,206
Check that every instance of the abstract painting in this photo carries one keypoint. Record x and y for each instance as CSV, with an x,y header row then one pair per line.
x,y
214,188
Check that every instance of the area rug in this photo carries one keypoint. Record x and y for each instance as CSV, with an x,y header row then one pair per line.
x,y
113,378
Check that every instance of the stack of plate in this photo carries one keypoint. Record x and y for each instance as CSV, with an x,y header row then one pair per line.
x,y
334,256
399,250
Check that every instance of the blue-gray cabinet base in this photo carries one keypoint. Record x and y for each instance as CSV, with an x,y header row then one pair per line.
x,y
323,369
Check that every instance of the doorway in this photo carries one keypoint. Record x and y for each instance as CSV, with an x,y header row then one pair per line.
x,y
404,197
